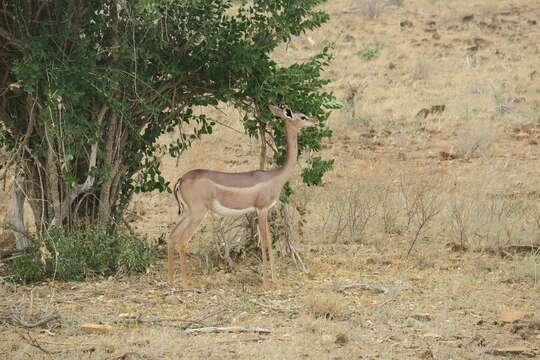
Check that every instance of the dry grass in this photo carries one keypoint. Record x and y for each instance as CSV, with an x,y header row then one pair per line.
x,y
390,189
326,305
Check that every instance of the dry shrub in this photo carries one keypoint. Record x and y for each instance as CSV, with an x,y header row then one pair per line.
x,y
524,269
355,94
232,239
34,311
422,202
372,8
460,216
475,139
486,211
389,213
422,70
351,211
328,306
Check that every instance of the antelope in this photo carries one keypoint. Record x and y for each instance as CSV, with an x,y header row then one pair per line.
x,y
233,194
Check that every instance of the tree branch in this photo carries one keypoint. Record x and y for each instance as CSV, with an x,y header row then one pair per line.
x,y
89,182
19,45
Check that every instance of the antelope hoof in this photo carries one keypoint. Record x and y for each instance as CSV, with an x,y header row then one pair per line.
x,y
185,284
276,284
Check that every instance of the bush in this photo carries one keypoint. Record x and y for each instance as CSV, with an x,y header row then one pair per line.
x,y
28,268
133,255
78,254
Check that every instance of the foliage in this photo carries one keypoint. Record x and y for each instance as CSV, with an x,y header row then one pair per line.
x,y
87,88
76,254
313,174
370,53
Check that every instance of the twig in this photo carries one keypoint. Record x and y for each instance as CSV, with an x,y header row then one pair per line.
x,y
32,342
381,305
197,291
295,254
274,307
226,329
12,256
207,316
257,339
375,289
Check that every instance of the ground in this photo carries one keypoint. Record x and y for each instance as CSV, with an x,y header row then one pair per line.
x,y
457,187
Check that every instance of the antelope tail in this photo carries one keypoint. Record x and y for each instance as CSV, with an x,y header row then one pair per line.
x,y
176,190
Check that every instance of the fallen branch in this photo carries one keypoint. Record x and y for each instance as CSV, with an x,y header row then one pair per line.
x,y
138,319
227,329
181,290
375,289
86,349
512,351
127,355
353,10
520,249
18,321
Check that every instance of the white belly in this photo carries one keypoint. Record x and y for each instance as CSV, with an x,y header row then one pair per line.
x,y
225,211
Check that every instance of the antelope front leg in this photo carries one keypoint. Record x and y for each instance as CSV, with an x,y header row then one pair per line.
x,y
263,234
270,253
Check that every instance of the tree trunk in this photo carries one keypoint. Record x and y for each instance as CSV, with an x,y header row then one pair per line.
x,y
36,190
105,194
53,180
262,139
16,214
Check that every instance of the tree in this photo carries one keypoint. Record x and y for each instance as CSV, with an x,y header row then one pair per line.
x,y
87,87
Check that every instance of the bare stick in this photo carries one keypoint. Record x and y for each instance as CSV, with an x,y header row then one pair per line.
x,y
297,257
375,289
227,329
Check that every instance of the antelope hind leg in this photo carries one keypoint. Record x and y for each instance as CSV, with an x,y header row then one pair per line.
x,y
171,242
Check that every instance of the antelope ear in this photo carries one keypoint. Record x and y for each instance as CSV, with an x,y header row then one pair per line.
x,y
275,110
287,112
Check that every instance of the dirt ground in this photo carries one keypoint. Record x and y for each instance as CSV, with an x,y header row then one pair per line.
x,y
460,186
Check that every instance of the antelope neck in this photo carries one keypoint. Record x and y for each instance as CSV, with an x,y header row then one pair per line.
x,y
291,136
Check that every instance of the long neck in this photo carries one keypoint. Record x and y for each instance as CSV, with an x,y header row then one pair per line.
x,y
291,135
